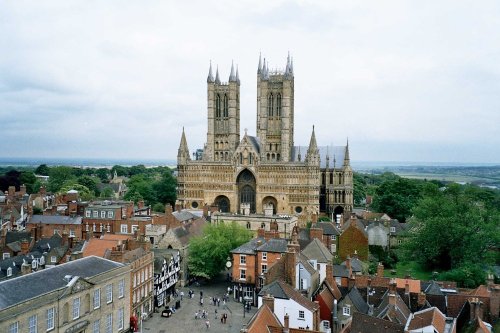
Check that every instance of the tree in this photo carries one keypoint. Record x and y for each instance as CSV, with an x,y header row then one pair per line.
x,y
90,183
396,196
103,174
43,170
209,252
58,176
83,192
359,190
107,193
166,188
159,208
28,178
453,229
141,185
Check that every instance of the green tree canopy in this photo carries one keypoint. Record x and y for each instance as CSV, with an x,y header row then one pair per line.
x,y
43,170
208,253
454,228
58,176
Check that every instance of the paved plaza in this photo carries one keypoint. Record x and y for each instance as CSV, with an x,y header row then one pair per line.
x,y
183,321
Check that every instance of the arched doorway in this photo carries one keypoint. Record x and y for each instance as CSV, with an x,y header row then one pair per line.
x,y
270,201
246,189
222,202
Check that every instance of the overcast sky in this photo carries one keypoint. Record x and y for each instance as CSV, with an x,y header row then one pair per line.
x,y
403,80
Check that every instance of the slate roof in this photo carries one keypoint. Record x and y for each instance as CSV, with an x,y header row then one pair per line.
x,y
250,246
17,236
282,290
316,250
328,228
46,244
277,245
332,151
357,300
55,219
401,310
356,265
25,287
362,323
340,271
188,230
255,142
133,255
184,215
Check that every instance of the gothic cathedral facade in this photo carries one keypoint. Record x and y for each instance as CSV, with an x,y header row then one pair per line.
x,y
265,172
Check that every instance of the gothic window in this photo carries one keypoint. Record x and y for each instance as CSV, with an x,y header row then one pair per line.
x,y
217,106
277,157
278,105
270,102
268,156
226,107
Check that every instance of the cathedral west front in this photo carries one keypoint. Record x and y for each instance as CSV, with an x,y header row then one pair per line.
x,y
265,173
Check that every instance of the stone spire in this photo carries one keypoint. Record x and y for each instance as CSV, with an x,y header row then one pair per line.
x,y
217,79
291,66
210,78
265,72
237,75
312,152
183,152
232,76
259,69
327,157
288,69
347,160
299,155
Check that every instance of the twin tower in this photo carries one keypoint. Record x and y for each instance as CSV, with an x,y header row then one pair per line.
x,y
275,113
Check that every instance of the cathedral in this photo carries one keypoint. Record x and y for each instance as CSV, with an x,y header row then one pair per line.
x,y
265,173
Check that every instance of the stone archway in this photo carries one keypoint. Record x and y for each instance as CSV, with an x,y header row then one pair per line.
x,y
223,204
339,210
246,189
269,200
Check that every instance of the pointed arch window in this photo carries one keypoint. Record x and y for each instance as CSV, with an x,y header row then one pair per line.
x,y
278,105
217,106
226,107
270,102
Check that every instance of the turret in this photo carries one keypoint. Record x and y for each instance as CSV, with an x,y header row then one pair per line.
x,y
232,76
313,151
347,161
217,78
183,152
210,78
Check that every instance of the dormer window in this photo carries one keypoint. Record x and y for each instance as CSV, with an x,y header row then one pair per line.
x,y
9,271
33,264
333,237
393,229
346,310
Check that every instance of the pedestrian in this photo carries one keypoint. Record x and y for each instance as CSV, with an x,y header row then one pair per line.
x,y
215,313
207,323
182,295
201,301
222,319
225,317
218,301
196,315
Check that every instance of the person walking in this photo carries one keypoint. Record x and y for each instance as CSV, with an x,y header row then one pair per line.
x,y
182,294
207,323
201,301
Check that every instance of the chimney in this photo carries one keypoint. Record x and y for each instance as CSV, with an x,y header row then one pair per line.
x,y
25,268
494,302
65,238
314,218
392,286
421,299
407,287
290,265
316,232
168,209
351,282
334,317
22,189
261,232
316,318
269,301
140,204
287,321
490,280
42,190
329,274
178,207
12,191
473,304
25,246
348,265
380,270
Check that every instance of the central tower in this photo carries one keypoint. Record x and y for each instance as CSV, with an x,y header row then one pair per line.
x,y
275,111
223,103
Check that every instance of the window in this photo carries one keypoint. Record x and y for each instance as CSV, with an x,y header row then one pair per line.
x,y
76,308
109,293
124,229
121,288
110,214
103,214
93,227
32,328
87,213
56,231
338,280
9,271
72,232
301,315
53,259
109,323
134,228
108,227
96,328
97,298
95,214
100,227
6,255
326,324
135,280
264,256
400,241
393,229
333,237
264,268
243,259
243,274
333,248
120,319
14,327
50,319
248,225
346,311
